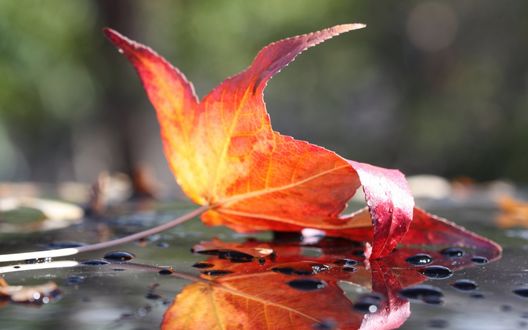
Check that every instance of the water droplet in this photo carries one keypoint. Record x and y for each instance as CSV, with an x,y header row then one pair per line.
x,y
163,245
307,284
359,253
349,269
438,323
55,294
152,296
218,272
437,272
419,259
119,256
465,285
452,252
118,269
95,262
346,262
121,51
325,325
479,260
422,292
301,268
236,256
202,265
75,279
506,308
231,255
165,271
477,295
432,300
524,315
368,303
291,271
523,292
126,316
64,245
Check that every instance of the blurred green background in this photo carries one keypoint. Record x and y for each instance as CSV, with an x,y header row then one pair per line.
x,y
429,87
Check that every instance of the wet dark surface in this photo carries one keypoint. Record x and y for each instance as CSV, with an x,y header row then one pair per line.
x,y
437,272
110,294
465,285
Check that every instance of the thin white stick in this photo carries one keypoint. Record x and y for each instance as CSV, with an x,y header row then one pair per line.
x,y
44,265
73,263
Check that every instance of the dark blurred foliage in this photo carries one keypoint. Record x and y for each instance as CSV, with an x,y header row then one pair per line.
x,y
429,87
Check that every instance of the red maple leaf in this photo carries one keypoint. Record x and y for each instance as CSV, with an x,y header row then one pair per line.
x,y
226,156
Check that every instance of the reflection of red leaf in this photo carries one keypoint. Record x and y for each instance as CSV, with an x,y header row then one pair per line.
x,y
256,294
242,304
225,154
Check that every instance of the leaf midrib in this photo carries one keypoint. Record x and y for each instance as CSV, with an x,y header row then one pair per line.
x,y
225,287
240,197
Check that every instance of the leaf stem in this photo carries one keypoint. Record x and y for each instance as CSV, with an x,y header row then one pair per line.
x,y
103,245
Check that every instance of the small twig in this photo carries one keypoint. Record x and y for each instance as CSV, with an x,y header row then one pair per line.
x,y
103,245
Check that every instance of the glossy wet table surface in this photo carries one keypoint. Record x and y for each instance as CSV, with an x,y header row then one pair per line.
x,y
134,292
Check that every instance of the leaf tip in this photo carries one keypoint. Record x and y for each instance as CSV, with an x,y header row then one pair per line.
x,y
358,26
112,34
351,27
123,44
